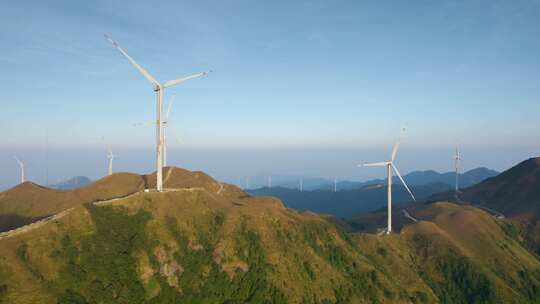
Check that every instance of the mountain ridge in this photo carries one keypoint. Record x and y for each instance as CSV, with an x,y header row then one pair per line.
x,y
345,203
202,241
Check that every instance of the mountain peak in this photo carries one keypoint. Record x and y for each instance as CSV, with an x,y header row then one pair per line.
x,y
515,192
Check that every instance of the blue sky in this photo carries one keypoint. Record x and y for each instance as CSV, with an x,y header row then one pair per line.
x,y
294,79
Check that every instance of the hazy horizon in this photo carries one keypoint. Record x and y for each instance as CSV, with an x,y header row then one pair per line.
x,y
233,165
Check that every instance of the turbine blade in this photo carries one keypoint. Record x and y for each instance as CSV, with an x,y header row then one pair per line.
x,y
146,123
171,83
403,181
18,161
170,107
380,164
133,62
394,151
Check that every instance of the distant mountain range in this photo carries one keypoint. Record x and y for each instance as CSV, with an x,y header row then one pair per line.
x,y
415,178
72,183
359,197
345,203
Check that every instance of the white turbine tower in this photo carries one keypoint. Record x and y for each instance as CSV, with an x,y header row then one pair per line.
x,y
457,159
247,182
110,157
301,185
165,125
21,165
335,184
159,89
390,168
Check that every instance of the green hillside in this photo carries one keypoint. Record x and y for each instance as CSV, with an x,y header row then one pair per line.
x,y
210,243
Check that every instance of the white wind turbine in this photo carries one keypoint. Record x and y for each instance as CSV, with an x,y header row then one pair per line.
x,y
159,89
390,168
165,125
457,159
21,165
110,157
247,182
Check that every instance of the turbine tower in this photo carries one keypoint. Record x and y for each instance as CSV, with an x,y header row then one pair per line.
x,y
269,181
110,157
335,184
301,186
21,165
159,88
457,159
165,124
390,168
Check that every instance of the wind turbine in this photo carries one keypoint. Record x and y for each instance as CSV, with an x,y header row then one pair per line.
x,y
21,165
269,181
159,88
165,124
247,182
390,168
110,157
457,159
335,184
301,187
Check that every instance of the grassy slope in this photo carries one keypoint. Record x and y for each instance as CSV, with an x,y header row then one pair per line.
x,y
471,238
200,246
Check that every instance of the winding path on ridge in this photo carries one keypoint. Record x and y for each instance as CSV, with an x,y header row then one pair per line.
x,y
220,188
493,212
408,215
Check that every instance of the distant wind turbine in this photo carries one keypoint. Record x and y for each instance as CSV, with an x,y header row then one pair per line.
x,y
389,167
21,165
165,125
335,184
110,157
301,185
247,182
159,89
269,181
457,159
